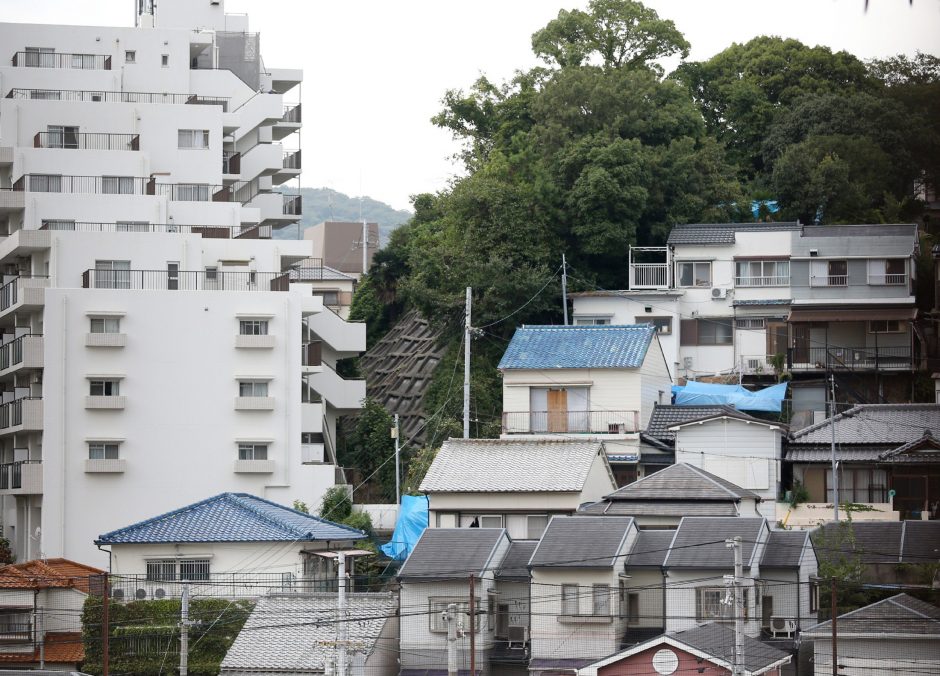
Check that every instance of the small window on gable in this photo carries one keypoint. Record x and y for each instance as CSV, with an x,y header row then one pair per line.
x,y
105,325
130,56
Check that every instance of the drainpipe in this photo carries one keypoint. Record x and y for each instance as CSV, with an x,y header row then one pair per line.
x,y
665,575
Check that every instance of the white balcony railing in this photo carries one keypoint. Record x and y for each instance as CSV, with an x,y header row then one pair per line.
x,y
774,280
649,276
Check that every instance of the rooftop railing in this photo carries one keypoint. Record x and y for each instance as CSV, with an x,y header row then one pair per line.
x,y
98,96
570,422
61,60
206,231
86,141
184,280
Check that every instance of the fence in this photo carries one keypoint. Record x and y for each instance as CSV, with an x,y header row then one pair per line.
x,y
98,96
851,358
570,422
183,280
86,141
32,59
206,231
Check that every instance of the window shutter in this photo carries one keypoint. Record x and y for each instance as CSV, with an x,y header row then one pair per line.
x,y
688,332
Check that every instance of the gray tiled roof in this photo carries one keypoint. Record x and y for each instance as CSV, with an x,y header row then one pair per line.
x,y
511,466
784,549
889,424
718,640
883,541
665,416
762,301
447,553
306,641
514,565
900,614
720,233
820,453
660,508
682,481
650,548
578,347
581,541
700,541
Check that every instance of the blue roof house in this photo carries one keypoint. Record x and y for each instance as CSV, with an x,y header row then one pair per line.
x,y
596,382
233,537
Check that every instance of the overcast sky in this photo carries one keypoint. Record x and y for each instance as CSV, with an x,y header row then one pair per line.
x,y
375,71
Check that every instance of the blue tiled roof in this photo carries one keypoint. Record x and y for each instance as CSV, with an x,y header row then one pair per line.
x,y
231,517
574,347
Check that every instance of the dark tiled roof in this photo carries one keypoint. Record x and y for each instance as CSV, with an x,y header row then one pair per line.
x,y
821,453
700,542
446,553
660,508
900,614
720,233
861,230
784,549
718,640
665,416
887,424
582,541
921,542
559,347
734,415
514,565
882,541
650,548
681,482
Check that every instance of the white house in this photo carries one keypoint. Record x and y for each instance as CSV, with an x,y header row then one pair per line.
x,y
516,484
143,171
596,382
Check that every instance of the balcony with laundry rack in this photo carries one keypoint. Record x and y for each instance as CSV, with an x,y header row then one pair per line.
x,y
650,268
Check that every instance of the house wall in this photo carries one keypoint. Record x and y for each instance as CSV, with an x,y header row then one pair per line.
x,y
873,655
681,585
516,596
642,663
225,557
383,660
647,584
655,382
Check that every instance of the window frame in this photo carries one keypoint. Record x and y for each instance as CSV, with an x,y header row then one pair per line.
x,y
712,323
723,615
695,284
130,56
600,600
437,606
750,323
198,139
105,323
104,450
251,450
592,320
108,387
901,328
253,388
775,279
123,185
255,327
570,601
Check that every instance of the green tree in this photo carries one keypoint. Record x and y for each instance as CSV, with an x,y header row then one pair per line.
x,y
369,446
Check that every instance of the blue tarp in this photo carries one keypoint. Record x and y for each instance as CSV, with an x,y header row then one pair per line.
x,y
771,206
412,520
708,394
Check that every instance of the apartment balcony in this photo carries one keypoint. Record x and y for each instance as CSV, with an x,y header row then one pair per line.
x,y
105,466
11,200
649,276
277,208
264,159
204,231
293,205
86,141
266,342
94,185
21,478
22,294
24,352
105,340
21,415
895,358
571,422
343,394
61,60
312,454
285,79
131,588
290,169
762,281
311,359
231,165
98,96
105,402
254,403
182,280
288,124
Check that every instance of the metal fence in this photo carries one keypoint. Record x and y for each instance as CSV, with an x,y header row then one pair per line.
x,y
98,96
33,59
183,280
570,422
86,141
851,358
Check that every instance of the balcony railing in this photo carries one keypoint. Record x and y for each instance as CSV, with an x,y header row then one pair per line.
x,y
11,353
183,280
11,413
293,205
98,96
61,60
86,141
206,231
9,292
11,474
898,278
231,162
571,422
127,588
312,354
103,185
649,276
292,160
291,114
851,358
773,280
829,280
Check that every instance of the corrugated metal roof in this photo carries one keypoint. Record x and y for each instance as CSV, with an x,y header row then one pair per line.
x,y
581,541
448,553
681,481
650,548
231,517
700,541
575,347
514,565
512,466
784,549
900,614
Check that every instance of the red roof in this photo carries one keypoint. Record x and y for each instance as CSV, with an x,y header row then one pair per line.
x,y
61,648
41,574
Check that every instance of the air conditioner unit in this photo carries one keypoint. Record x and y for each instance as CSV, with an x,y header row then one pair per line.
x,y
159,593
518,636
140,594
719,293
117,594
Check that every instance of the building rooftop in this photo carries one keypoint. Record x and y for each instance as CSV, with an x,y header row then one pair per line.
x,y
700,542
888,424
60,647
681,481
447,553
578,347
882,541
582,542
784,549
659,508
318,273
231,517
720,233
665,416
47,573
306,641
650,548
900,614
514,565
511,466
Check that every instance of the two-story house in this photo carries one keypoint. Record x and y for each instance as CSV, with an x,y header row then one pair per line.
x,y
585,382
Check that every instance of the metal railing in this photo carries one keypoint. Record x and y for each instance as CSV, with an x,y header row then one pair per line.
x,y
11,473
104,185
183,280
649,276
9,292
206,231
829,280
231,162
61,60
11,353
98,96
86,141
292,160
293,205
852,358
771,280
896,278
11,413
571,422
291,114
127,588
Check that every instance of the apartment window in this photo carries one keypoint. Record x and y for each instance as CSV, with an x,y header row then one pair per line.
x,y
45,183
164,60
193,138
117,185
58,225
585,320
694,273
762,273
16,622
253,327
130,56
252,451
829,273
663,325
712,331
102,450
749,323
132,226
60,136
885,326
600,600
171,570
192,192
252,388
104,388
535,525
569,599
112,274
884,271
717,603
105,325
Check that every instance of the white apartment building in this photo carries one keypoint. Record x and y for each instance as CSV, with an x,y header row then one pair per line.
x,y
158,347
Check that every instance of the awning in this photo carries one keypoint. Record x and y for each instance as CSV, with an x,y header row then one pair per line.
x,y
855,315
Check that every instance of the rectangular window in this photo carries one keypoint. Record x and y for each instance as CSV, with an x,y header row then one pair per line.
x,y
535,525
105,325
104,388
885,271
253,327
749,323
196,570
251,388
45,183
761,273
829,273
192,192
130,56
117,185
694,273
600,600
862,484
885,326
102,450
663,325
164,60
16,623
193,138
569,599
35,57
252,451
583,320
715,332
491,521
60,136
112,274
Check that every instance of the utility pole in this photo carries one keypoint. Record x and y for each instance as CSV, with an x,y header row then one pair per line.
x,y
184,629
473,628
365,244
341,615
738,665
466,368
395,435
450,616
41,635
832,429
564,287
835,631
105,621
